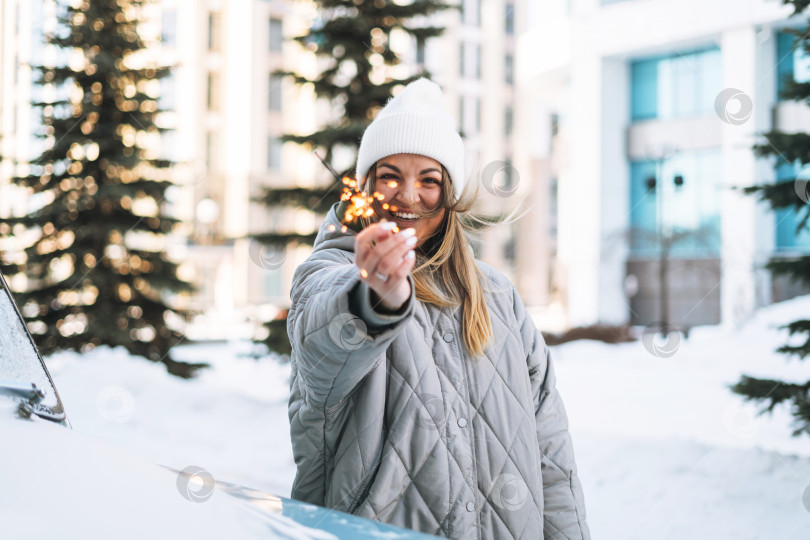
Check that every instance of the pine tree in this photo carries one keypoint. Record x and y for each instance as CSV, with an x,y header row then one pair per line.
x,y
356,36
97,272
795,148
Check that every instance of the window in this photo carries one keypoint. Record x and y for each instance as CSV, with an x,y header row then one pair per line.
x,y
509,19
509,69
467,121
276,35
273,153
471,12
787,238
510,246
507,120
792,63
274,92
553,211
168,144
508,175
675,86
679,193
213,31
212,94
166,100
210,150
168,28
465,48
37,27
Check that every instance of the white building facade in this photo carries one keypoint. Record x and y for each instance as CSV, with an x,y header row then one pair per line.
x,y
652,108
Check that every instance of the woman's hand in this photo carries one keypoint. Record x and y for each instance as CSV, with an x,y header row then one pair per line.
x,y
385,259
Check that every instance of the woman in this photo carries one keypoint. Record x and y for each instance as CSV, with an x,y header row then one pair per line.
x,y
422,395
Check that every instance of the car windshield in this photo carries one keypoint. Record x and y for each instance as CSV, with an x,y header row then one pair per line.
x,y
19,361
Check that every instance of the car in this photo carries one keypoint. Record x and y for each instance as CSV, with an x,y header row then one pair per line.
x,y
60,483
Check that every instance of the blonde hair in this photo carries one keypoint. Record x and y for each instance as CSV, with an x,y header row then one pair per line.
x,y
445,273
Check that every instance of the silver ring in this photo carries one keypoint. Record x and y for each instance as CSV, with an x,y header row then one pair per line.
x,y
381,277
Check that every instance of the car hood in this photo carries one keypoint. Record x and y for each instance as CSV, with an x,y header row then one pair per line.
x,y
57,482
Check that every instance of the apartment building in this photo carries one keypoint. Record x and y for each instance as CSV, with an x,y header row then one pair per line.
x,y
229,111
225,112
647,111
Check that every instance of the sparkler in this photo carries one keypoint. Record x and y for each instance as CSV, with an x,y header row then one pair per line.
x,y
354,204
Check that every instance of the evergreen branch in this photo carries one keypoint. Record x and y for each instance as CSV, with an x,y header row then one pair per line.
x,y
795,91
796,267
788,146
798,6
318,200
772,391
779,195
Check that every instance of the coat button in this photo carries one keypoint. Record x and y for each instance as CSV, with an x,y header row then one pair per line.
x,y
448,337
462,422
470,506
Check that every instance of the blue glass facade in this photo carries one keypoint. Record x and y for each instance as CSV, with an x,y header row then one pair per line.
x,y
677,194
676,85
680,193
791,61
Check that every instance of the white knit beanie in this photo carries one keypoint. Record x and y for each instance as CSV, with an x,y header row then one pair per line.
x,y
414,122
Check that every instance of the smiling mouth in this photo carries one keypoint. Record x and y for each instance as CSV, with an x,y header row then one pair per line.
x,y
404,216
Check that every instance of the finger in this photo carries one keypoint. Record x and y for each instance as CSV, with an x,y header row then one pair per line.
x,y
404,268
375,233
388,253
393,250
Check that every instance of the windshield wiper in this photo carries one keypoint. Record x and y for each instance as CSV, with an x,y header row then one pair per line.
x,y
30,396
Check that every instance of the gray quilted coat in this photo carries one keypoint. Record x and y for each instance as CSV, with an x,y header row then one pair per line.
x,y
392,420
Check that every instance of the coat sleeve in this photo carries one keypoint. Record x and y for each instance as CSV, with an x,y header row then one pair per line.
x,y
564,502
336,336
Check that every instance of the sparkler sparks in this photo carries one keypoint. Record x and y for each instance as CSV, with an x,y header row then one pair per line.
x,y
361,204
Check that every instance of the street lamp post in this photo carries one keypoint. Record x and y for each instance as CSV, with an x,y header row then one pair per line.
x,y
664,237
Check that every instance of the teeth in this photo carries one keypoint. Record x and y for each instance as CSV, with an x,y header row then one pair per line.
x,y
403,215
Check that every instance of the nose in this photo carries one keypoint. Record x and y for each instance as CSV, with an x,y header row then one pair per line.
x,y
408,192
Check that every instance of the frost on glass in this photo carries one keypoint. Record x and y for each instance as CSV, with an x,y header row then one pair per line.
x,y
18,358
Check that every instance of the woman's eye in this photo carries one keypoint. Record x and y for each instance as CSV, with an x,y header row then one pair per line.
x,y
388,176
431,180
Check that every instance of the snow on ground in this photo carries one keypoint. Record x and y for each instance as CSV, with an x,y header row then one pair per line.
x,y
664,449
230,420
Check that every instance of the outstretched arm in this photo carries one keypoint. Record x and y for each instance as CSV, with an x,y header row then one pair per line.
x,y
338,326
